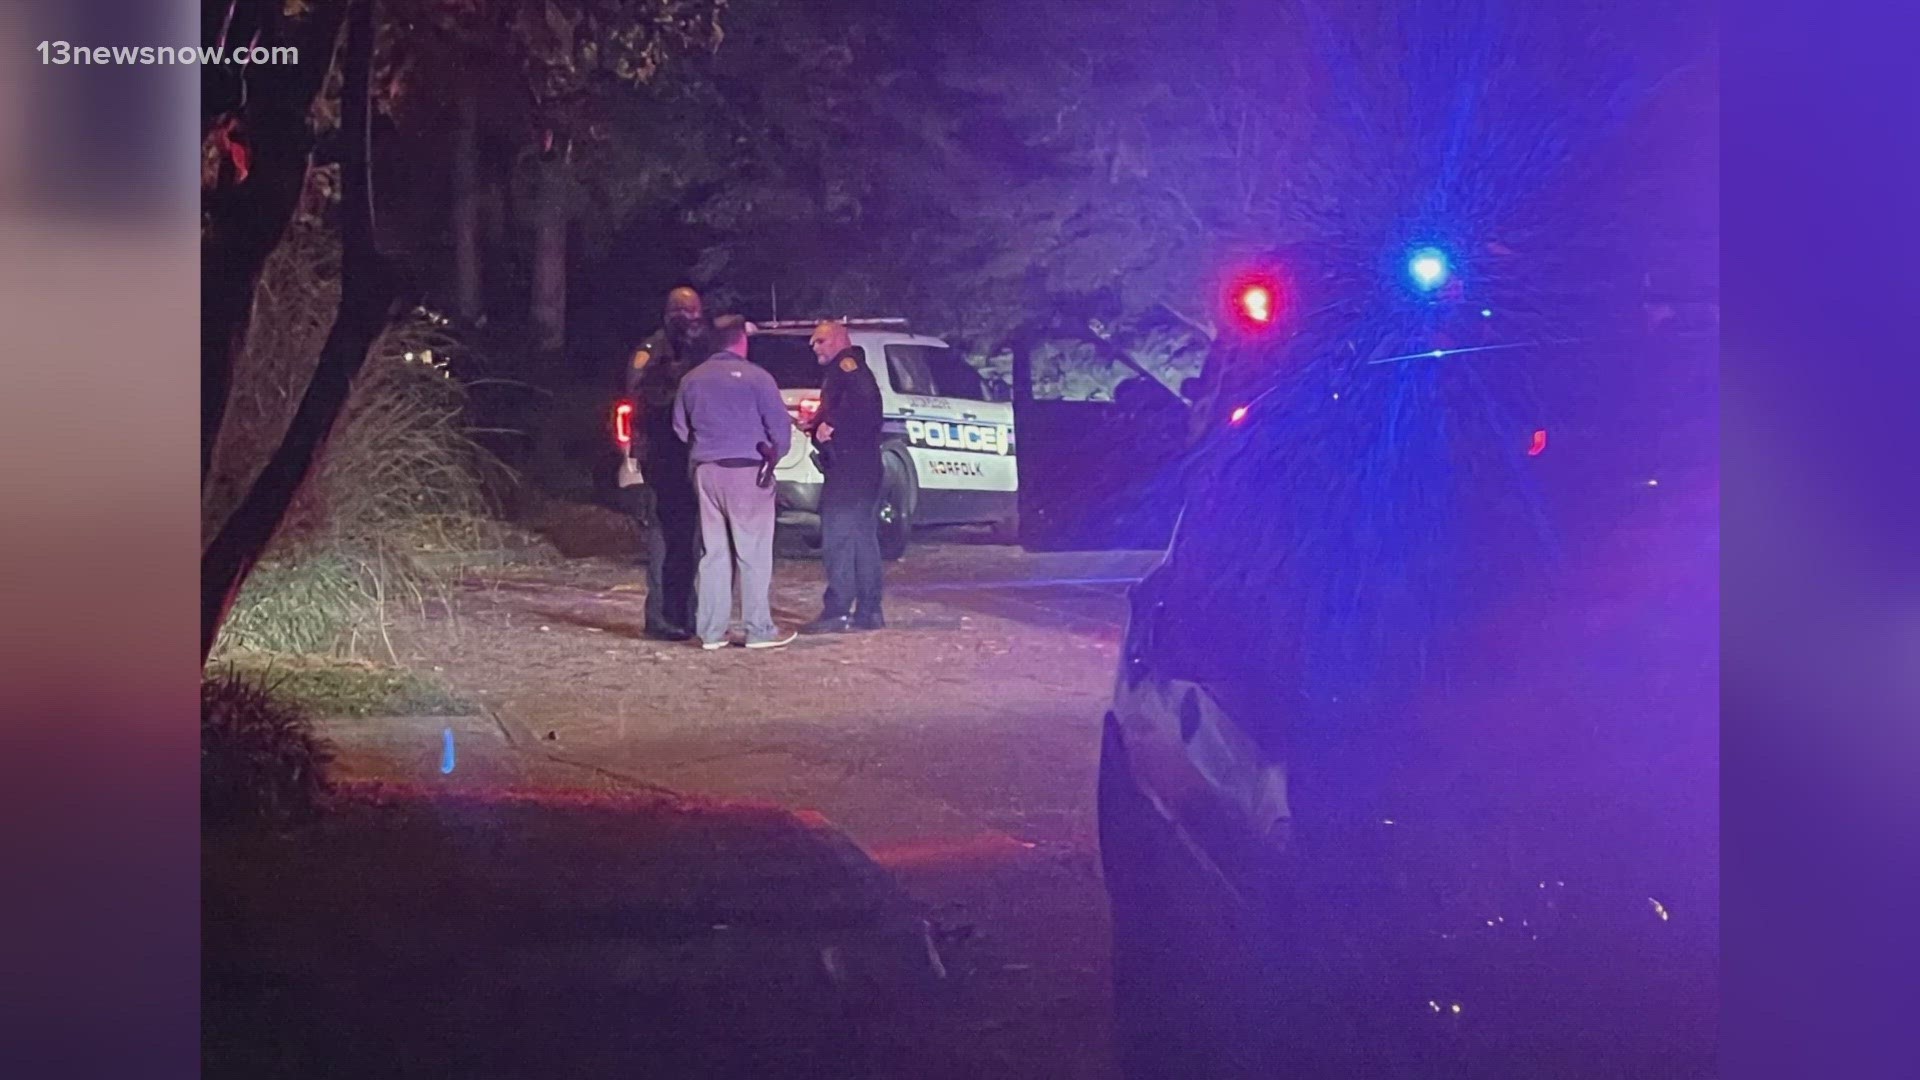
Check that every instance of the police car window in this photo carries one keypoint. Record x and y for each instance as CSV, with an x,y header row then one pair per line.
x,y
933,370
788,358
907,370
954,376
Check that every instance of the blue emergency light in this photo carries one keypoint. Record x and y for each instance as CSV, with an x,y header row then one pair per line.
x,y
1429,268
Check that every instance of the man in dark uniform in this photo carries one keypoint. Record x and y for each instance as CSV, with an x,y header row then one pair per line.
x,y
664,501
846,432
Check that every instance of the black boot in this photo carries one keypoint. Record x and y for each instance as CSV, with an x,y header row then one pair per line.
x,y
828,624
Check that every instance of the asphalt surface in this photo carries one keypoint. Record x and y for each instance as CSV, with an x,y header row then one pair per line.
x,y
956,751
1094,604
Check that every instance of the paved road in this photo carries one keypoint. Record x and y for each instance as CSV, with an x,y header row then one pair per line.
x,y
958,749
1076,591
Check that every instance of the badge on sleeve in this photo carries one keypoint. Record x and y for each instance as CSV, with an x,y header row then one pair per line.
x,y
641,358
849,365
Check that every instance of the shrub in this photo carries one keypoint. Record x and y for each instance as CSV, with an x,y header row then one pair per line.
x,y
317,602
293,309
260,760
401,496
401,468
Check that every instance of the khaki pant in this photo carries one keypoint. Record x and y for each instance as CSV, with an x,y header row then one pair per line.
x,y
736,523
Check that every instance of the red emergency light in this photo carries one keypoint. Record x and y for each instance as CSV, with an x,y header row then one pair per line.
x,y
804,411
623,424
1254,302
1539,444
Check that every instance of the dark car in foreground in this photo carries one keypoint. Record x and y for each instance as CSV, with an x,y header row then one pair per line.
x,y
1411,766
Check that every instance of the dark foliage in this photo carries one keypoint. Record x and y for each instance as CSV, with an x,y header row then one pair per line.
x,y
260,760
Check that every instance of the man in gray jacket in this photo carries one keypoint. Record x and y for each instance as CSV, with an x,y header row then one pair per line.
x,y
725,409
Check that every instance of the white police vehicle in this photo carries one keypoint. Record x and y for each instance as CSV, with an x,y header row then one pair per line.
x,y
948,446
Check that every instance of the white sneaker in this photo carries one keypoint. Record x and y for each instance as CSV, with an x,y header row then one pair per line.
x,y
774,642
712,645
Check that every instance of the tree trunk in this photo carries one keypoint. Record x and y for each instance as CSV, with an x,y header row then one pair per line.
x,y
365,294
550,259
246,216
468,282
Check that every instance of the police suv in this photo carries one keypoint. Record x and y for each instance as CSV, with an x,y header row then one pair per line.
x,y
948,447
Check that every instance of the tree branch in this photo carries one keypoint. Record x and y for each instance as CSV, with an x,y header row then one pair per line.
x,y
1180,197
1114,353
244,220
365,294
1201,328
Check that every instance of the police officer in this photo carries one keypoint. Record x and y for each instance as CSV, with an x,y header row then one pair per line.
x,y
846,432
664,501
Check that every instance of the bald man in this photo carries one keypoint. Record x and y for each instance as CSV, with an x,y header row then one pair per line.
x,y
846,432
665,503
727,409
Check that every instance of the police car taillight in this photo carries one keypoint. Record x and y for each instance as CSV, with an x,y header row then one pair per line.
x,y
804,411
623,424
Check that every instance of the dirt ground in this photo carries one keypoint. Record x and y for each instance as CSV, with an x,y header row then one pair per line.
x,y
957,749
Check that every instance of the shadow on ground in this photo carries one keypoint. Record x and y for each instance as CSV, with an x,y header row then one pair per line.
x,y
586,935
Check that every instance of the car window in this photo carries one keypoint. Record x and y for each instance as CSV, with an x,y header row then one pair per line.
x,y
788,358
954,376
1074,371
934,371
907,371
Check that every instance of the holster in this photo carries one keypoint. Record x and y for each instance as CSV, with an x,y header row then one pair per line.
x,y
641,503
768,459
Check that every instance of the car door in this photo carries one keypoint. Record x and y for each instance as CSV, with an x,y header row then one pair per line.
x,y
961,443
1097,474
797,372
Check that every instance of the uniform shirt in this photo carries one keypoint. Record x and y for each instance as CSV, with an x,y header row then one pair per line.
x,y
850,402
727,407
652,379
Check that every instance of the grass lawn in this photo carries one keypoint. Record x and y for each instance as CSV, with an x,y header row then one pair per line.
x,y
329,687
